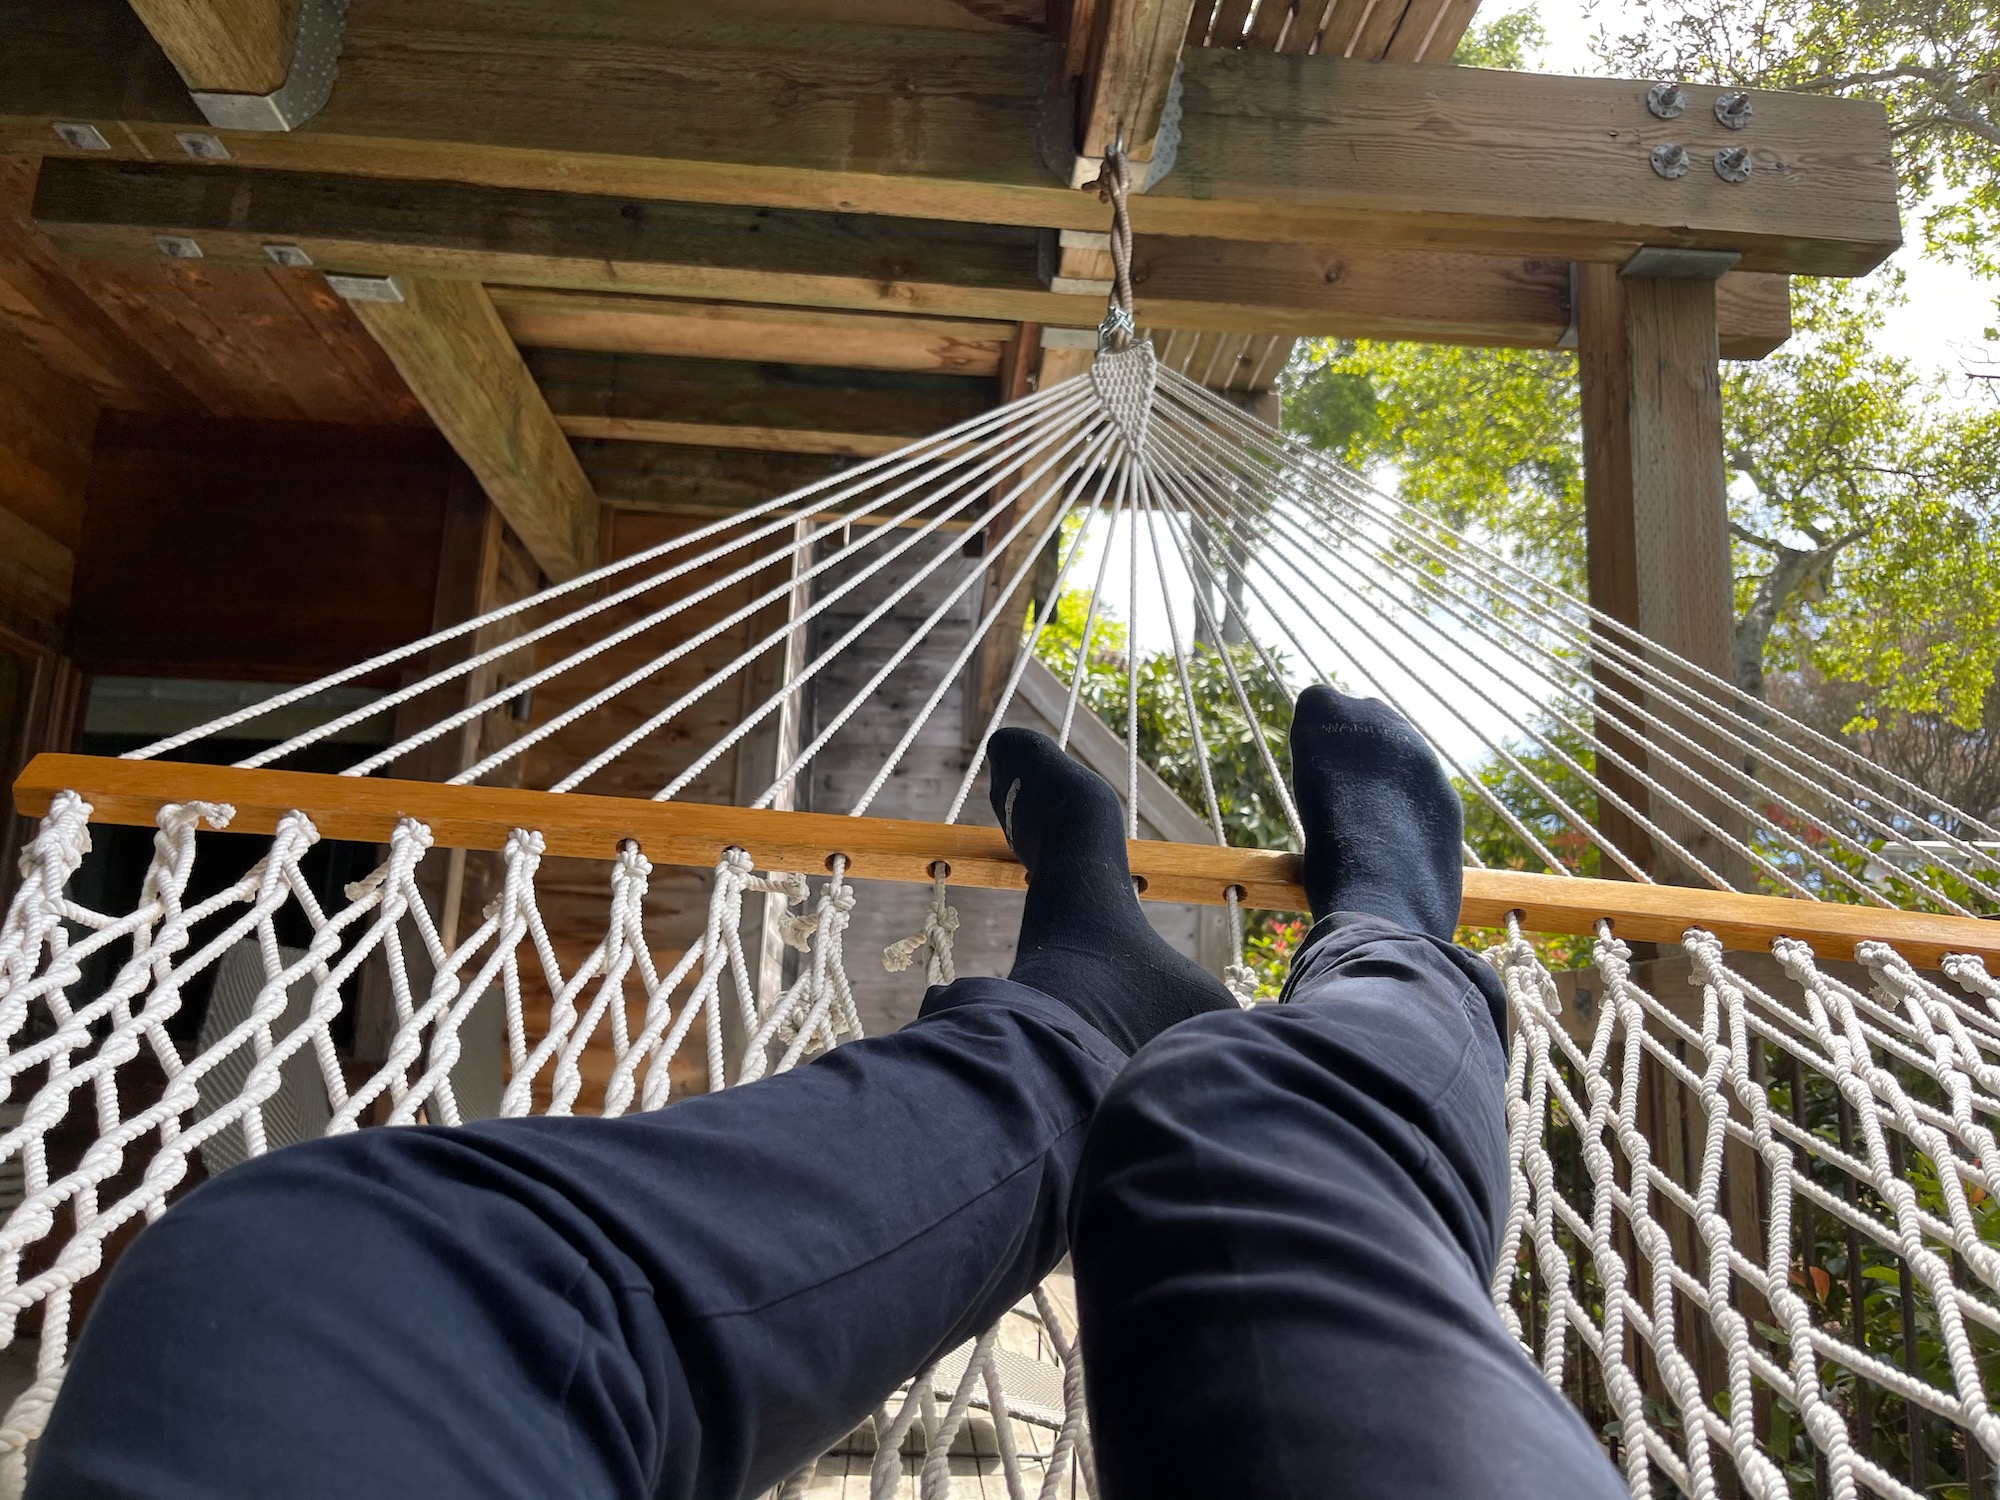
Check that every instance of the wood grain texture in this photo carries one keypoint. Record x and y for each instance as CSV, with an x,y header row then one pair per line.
x,y
603,244
454,352
545,319
601,96
47,424
36,583
696,480
733,403
1657,527
1134,46
575,825
43,301
224,46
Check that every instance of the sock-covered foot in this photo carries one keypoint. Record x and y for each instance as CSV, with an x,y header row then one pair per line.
x,y
1084,939
1382,823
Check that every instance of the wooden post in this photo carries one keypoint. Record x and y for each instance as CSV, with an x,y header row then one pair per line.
x,y
1657,523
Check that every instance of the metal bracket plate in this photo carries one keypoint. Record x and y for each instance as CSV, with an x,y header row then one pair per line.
x,y
307,86
1672,263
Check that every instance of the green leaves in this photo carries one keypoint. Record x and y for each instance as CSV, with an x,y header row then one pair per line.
x,y
1866,503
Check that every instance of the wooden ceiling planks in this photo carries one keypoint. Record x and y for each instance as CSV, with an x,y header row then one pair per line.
x,y
180,336
1377,30
270,345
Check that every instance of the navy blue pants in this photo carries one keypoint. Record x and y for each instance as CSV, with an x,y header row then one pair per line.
x,y
1282,1223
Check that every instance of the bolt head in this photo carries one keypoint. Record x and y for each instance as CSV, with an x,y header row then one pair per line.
x,y
1666,100
202,146
79,136
1733,164
1733,109
1670,160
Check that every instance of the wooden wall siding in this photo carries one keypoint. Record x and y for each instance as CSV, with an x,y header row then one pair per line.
x,y
989,921
255,552
160,335
46,426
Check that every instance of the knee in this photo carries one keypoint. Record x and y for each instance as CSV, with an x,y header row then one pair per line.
x,y
1188,1088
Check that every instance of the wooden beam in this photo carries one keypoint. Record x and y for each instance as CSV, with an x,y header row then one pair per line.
x,y
703,481
687,104
452,348
578,825
224,46
591,243
546,319
1134,46
734,404
1657,525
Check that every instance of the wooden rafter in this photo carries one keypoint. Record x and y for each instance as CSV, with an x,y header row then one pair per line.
x,y
620,324
454,352
627,100
593,243
736,404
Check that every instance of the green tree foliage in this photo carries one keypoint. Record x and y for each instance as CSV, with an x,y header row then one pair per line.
x,y
1252,813
1935,64
1866,507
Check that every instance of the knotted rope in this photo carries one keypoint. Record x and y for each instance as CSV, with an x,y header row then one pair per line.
x,y
940,922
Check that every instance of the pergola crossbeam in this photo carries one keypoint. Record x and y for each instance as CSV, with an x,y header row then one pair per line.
x,y
661,103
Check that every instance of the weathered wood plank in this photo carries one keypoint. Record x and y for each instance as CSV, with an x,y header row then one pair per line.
x,y
452,348
733,403
599,96
1134,46
224,46
546,319
597,243
698,480
1657,522
575,824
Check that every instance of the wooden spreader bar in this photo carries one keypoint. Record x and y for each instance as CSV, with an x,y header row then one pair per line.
x,y
685,833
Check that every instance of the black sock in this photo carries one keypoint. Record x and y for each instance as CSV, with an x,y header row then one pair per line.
x,y
1084,939
1382,823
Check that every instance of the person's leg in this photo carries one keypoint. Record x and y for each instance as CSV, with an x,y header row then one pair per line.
x,y
1286,1219
691,1303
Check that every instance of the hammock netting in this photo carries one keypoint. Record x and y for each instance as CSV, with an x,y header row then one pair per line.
x,y
1752,1235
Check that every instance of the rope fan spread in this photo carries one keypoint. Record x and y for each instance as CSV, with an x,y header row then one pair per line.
x,y
1752,1233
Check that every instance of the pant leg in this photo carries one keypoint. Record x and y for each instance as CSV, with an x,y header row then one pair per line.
x,y
1283,1232
691,1303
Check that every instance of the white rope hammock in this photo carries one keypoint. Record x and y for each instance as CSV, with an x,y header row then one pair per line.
x,y
1753,1216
